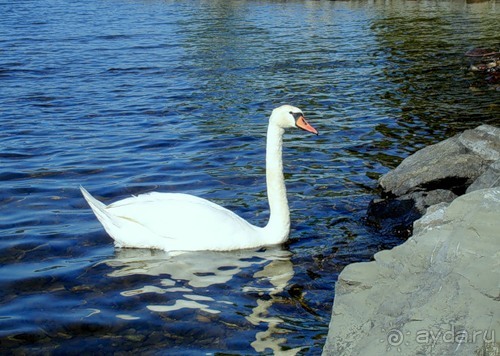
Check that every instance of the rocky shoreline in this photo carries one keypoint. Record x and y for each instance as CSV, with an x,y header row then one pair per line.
x,y
435,174
439,292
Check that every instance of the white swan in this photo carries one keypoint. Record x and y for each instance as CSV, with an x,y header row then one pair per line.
x,y
182,222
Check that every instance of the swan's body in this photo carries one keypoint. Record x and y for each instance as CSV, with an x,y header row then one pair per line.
x,y
182,222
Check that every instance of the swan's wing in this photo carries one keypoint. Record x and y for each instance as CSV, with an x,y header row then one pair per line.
x,y
180,222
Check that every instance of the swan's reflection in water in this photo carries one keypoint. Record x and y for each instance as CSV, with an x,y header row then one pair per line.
x,y
187,276
278,273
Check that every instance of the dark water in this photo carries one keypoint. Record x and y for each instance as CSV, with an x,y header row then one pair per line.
x,y
127,97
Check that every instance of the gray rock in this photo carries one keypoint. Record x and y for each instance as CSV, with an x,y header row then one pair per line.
x,y
434,217
438,293
483,141
489,179
452,164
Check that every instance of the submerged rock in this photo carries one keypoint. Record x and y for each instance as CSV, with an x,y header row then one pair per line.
x,y
437,293
393,216
435,174
485,62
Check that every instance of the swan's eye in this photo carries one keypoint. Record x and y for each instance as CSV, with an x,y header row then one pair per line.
x,y
296,115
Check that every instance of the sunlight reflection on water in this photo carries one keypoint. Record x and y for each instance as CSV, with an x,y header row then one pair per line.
x,y
187,274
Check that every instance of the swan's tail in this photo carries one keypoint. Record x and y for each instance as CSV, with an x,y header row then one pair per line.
x,y
99,209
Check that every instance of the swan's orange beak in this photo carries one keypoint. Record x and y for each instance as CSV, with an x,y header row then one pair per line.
x,y
304,125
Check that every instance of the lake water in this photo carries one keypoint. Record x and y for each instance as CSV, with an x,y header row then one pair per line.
x,y
128,97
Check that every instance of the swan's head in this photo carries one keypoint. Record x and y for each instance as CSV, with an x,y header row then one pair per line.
x,y
287,116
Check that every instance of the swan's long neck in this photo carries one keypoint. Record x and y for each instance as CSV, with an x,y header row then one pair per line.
x,y
278,226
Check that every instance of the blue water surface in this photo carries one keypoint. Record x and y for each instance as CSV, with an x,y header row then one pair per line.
x,y
129,97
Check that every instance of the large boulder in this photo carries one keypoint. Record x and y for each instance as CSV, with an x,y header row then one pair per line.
x,y
438,293
435,174
452,164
